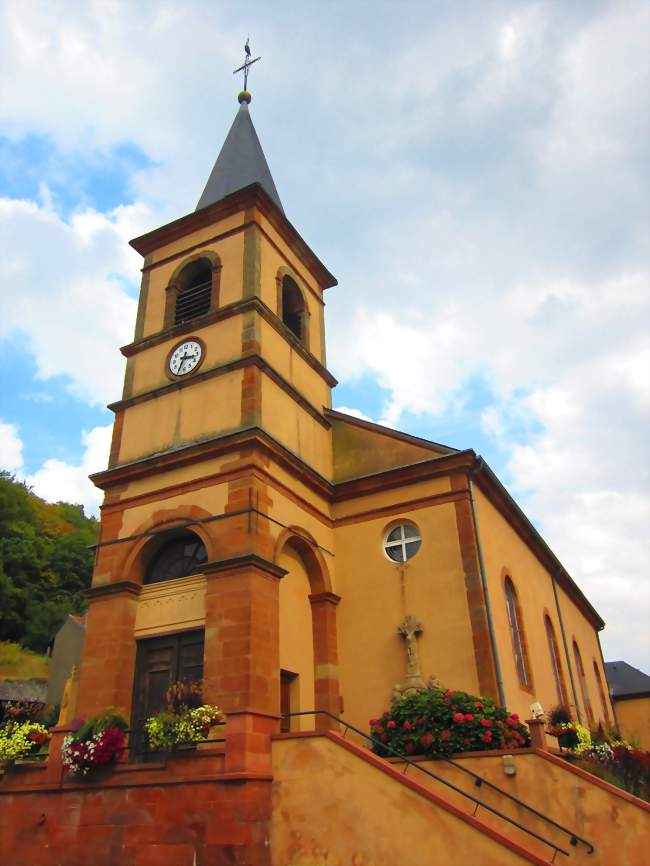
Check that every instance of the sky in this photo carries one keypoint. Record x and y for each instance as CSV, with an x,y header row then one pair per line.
x,y
474,173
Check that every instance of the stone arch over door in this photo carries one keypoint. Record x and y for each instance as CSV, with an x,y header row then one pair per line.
x,y
307,589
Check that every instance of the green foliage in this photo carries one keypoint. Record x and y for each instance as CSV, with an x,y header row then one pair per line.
x,y
45,563
18,663
169,729
19,739
438,722
110,718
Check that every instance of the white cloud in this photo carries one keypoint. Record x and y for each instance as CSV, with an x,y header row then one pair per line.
x,y
490,192
355,413
57,480
11,447
67,303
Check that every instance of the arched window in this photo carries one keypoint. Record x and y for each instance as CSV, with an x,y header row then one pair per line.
x,y
583,684
294,310
555,661
517,635
181,556
603,697
194,291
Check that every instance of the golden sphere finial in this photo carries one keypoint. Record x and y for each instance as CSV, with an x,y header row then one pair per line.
x,y
244,96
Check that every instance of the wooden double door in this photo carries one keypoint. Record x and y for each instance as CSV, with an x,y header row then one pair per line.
x,y
161,661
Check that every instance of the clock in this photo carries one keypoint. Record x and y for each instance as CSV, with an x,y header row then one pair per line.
x,y
185,358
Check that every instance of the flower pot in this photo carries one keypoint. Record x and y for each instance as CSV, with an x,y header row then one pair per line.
x,y
567,740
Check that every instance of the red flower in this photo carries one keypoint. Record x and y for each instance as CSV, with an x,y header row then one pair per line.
x,y
449,693
379,729
453,706
469,717
420,721
459,718
486,737
408,726
391,725
373,721
410,746
512,722
444,735
426,739
479,707
486,723
514,716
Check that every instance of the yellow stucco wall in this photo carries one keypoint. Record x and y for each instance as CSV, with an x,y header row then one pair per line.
x,y
296,636
330,806
633,717
615,826
503,549
181,416
378,594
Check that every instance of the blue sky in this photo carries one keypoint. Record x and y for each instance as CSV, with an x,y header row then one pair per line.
x,y
475,175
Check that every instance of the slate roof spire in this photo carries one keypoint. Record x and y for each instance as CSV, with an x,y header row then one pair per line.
x,y
241,161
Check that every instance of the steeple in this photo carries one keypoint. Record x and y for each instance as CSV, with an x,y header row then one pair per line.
x,y
240,163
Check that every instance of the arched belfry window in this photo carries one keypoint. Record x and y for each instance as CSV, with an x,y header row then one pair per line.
x,y
193,291
183,554
294,309
517,635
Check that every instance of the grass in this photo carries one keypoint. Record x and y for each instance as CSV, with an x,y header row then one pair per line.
x,y
17,663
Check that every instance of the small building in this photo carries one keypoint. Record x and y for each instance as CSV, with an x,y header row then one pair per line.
x,y
67,648
629,689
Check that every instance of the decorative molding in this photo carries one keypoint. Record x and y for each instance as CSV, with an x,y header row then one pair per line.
x,y
173,605
320,597
248,560
116,587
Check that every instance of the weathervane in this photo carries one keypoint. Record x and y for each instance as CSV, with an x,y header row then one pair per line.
x,y
247,63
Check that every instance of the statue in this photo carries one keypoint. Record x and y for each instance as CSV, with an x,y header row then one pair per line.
x,y
69,698
410,629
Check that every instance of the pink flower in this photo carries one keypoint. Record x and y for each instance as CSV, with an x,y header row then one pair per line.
x,y
469,717
514,716
459,718
391,725
373,721
486,723
512,722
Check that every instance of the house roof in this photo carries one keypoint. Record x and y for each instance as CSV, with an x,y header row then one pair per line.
x,y
625,680
240,163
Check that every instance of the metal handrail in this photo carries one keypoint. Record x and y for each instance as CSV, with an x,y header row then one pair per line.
x,y
574,838
479,781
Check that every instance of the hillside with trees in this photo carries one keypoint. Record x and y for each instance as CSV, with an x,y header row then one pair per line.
x,y
45,563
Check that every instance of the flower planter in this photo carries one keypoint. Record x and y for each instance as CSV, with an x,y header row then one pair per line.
x,y
568,740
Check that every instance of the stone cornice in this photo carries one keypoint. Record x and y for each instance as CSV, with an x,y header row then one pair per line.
x,y
118,587
249,304
252,360
245,561
250,196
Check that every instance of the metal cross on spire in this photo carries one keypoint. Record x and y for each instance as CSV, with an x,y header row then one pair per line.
x,y
247,63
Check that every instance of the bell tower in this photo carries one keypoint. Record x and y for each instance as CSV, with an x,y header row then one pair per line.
x,y
221,456
229,333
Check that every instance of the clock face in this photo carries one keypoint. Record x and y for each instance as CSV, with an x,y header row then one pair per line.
x,y
185,358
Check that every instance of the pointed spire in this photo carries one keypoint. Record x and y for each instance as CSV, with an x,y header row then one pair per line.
x,y
241,161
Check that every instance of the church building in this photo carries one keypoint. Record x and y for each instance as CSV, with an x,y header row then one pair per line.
x,y
256,539
306,566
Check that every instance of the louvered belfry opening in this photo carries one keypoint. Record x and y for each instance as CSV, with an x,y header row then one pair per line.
x,y
194,292
293,308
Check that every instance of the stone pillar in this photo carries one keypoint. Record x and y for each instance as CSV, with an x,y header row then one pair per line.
x,y
108,661
326,672
537,734
242,656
